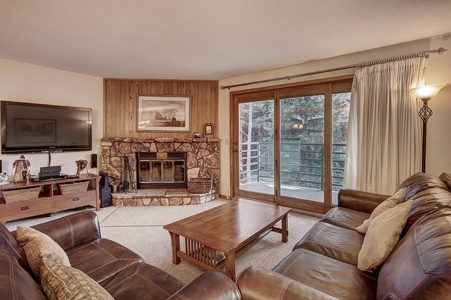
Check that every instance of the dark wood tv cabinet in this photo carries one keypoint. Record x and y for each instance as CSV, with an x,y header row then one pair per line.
x,y
49,199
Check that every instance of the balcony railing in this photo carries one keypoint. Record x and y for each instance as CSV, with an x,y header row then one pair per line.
x,y
302,165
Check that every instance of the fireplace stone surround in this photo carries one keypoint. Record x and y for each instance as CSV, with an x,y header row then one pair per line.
x,y
202,160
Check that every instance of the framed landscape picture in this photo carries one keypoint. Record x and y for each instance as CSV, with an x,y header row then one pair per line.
x,y
164,113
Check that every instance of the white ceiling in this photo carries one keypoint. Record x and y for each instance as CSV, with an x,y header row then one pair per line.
x,y
205,39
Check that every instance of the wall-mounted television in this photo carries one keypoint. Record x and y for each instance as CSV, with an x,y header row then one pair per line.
x,y
32,127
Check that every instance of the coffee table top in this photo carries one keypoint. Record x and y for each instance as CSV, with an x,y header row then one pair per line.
x,y
229,226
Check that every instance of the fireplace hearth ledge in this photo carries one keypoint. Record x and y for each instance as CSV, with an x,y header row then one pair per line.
x,y
160,197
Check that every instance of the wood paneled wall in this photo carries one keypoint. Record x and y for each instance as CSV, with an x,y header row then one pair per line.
x,y
120,105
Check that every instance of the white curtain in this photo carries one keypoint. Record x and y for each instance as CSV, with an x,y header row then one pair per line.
x,y
384,130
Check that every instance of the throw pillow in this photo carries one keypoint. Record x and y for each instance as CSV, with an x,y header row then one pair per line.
x,y
63,282
382,236
38,245
389,203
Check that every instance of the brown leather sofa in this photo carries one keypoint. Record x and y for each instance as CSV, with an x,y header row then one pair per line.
x,y
323,264
120,271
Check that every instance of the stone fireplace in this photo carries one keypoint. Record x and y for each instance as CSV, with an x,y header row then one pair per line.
x,y
161,164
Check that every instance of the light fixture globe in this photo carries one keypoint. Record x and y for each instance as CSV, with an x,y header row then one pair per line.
x,y
427,91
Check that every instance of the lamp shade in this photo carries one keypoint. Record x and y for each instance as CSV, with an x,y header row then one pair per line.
x,y
427,91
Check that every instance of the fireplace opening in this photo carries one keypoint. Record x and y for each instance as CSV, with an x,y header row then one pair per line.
x,y
161,170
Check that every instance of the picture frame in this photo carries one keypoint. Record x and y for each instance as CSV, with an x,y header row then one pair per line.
x,y
163,113
208,129
35,130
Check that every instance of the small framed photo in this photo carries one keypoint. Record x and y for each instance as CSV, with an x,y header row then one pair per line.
x,y
208,130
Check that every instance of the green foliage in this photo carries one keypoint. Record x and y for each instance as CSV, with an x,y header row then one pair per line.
x,y
302,138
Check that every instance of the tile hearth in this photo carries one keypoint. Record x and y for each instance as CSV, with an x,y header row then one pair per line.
x,y
160,197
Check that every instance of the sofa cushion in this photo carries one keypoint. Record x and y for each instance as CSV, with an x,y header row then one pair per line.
x,y
141,281
8,243
102,258
333,241
16,283
72,230
37,245
446,178
382,236
257,283
391,202
420,182
428,192
345,217
333,277
63,282
420,265
210,285
427,201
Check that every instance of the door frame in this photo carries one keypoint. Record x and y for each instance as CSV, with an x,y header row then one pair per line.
x,y
335,85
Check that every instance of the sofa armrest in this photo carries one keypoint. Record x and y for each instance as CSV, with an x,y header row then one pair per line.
x,y
212,285
360,201
256,283
72,230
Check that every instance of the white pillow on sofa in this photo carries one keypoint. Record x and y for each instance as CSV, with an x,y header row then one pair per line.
x,y
389,203
382,236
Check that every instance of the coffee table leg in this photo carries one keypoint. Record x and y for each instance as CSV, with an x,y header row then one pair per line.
x,y
230,265
175,241
285,228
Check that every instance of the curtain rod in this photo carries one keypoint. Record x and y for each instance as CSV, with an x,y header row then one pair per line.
x,y
359,65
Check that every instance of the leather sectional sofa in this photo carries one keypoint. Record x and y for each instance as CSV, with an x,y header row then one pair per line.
x,y
120,271
323,264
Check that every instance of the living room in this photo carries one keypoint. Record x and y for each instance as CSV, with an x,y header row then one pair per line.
x,y
36,82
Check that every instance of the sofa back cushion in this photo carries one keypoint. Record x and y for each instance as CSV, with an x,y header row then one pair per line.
x,y
420,182
9,244
428,193
16,283
420,265
446,178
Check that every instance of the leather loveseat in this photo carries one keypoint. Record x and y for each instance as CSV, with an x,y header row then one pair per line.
x,y
120,271
323,264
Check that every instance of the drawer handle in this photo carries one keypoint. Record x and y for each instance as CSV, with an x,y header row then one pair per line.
x,y
75,199
25,207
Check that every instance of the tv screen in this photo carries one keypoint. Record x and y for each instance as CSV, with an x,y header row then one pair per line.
x,y
30,127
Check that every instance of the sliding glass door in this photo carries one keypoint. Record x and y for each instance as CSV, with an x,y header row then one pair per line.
x,y
289,144
302,147
254,148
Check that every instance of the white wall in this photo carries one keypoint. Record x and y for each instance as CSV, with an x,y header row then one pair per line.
x,y
30,83
438,71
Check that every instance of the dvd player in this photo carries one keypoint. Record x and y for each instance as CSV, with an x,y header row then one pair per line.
x,y
39,177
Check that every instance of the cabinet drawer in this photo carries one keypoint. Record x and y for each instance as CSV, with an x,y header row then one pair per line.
x,y
74,200
25,209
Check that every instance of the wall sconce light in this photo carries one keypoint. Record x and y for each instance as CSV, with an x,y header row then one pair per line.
x,y
425,93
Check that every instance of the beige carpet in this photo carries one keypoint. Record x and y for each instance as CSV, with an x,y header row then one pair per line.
x,y
140,228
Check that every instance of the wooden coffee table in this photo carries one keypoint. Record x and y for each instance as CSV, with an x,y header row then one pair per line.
x,y
214,238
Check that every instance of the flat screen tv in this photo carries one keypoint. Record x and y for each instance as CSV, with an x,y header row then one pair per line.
x,y
31,127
